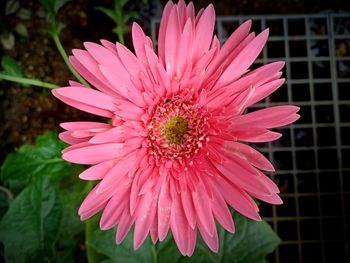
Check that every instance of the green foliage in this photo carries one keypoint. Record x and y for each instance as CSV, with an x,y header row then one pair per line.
x,y
30,226
21,29
43,216
42,225
104,243
71,234
43,159
11,67
251,243
52,6
11,7
120,17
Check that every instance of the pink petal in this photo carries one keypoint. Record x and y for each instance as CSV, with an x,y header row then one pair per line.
x,y
191,241
243,175
270,117
244,59
253,134
110,46
164,210
124,226
118,83
116,174
111,67
202,205
68,138
212,241
221,211
163,28
171,42
139,40
269,183
252,156
92,212
72,97
154,229
115,207
88,96
204,32
93,154
264,91
92,201
271,199
179,225
84,125
190,11
266,71
188,207
84,63
181,10
97,171
231,43
144,219
185,48
110,135
76,84
238,199
129,60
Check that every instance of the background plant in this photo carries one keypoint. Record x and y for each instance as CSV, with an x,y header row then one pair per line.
x,y
41,223
120,17
52,8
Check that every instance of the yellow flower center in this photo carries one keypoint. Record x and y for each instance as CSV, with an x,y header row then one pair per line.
x,y
175,129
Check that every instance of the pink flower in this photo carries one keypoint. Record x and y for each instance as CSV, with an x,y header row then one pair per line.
x,y
173,154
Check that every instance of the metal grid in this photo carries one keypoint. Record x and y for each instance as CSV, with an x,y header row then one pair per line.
x,y
312,158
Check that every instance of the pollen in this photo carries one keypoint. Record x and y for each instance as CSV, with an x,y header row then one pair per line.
x,y
175,129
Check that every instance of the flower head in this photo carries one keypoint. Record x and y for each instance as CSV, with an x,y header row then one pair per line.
x,y
174,153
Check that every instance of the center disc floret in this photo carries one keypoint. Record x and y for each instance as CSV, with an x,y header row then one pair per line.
x,y
177,129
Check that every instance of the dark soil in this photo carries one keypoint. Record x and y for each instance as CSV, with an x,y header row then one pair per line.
x,y
29,111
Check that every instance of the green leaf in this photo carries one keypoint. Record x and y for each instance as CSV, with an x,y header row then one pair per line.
x,y
6,198
104,243
53,6
30,226
11,7
251,243
21,29
43,159
129,15
122,3
59,3
11,67
24,14
107,12
72,234
8,41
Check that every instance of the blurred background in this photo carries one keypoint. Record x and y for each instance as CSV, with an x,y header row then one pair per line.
x,y
312,158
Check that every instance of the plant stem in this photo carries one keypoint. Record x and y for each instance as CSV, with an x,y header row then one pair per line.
x,y
118,8
120,35
63,53
32,82
90,227
154,252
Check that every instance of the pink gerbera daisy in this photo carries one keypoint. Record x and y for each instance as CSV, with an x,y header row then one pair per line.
x,y
173,154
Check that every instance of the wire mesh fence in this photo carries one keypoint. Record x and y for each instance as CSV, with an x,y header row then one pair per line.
x,y
312,158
